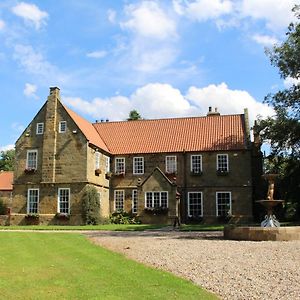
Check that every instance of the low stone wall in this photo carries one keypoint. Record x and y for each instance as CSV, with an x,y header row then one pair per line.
x,y
262,233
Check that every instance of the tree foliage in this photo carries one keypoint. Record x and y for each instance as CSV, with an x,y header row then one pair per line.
x,y
283,129
134,115
7,160
91,206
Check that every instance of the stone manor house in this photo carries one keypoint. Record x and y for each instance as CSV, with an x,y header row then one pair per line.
x,y
195,168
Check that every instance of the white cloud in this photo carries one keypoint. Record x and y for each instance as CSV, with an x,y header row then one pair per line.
x,y
276,13
2,24
153,60
97,54
265,40
30,90
289,81
114,108
111,15
7,147
35,63
30,13
157,100
31,60
151,45
147,19
227,101
203,10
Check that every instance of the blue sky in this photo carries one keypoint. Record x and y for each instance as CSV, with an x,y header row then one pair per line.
x,y
163,58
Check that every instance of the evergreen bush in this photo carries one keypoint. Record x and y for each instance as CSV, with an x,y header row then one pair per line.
x,y
91,206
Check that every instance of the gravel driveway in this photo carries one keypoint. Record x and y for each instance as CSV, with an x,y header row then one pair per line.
x,y
230,269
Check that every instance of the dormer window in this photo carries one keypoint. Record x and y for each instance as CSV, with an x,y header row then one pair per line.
x,y
39,128
62,127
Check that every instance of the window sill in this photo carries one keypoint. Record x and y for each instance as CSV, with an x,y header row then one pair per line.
x,y
196,173
222,173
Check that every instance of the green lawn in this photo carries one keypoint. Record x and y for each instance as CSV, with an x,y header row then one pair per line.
x,y
67,266
113,227
201,227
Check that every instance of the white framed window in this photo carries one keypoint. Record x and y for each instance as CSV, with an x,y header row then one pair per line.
x,y
107,164
134,201
195,204
120,165
156,199
222,163
223,203
31,161
119,200
196,164
39,128
33,201
63,205
138,165
62,128
97,160
171,164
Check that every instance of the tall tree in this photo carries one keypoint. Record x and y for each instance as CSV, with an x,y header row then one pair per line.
x,y
134,115
283,130
7,160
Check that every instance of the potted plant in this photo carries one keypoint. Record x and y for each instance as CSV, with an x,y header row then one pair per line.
x,y
32,218
97,172
108,175
62,216
29,170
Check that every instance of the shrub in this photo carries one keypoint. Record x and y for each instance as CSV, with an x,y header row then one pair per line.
x,y
122,217
3,208
91,206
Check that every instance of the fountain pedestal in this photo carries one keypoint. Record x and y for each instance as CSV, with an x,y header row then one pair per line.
x,y
269,203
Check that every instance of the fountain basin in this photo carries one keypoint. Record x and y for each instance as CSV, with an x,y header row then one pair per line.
x,y
290,233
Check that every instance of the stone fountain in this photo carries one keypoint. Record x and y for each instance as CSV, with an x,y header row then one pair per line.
x,y
269,203
270,229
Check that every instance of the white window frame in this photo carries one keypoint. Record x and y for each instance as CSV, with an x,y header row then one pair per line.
x,y
120,160
39,128
62,128
192,169
189,209
29,209
134,201
107,164
33,163
152,200
169,160
59,201
227,161
137,169
97,160
122,199
230,202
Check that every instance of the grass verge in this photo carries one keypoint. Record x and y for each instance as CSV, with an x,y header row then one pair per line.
x,y
68,266
201,227
112,227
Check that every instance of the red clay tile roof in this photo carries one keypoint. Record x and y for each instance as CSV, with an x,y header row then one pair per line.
x,y
87,129
6,180
211,133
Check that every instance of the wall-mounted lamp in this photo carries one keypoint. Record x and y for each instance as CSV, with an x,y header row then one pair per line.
x,y
74,131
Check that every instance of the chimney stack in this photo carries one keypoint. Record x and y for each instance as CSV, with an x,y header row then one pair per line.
x,y
212,113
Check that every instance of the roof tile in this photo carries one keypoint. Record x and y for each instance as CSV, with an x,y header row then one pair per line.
x,y
6,180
